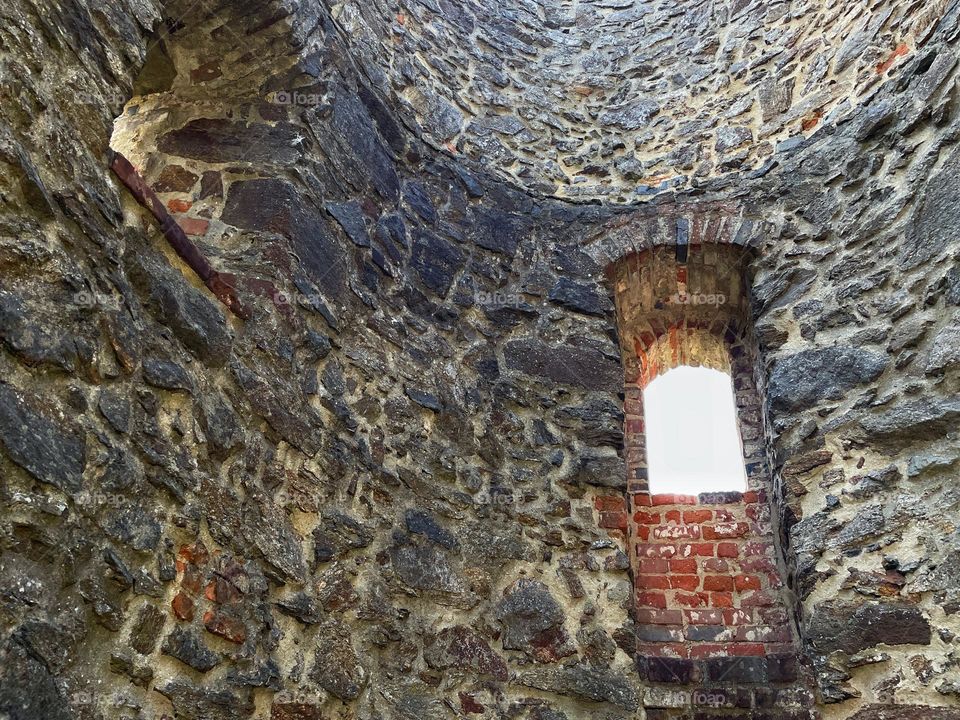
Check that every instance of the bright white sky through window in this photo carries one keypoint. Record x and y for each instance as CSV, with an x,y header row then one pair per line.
x,y
693,444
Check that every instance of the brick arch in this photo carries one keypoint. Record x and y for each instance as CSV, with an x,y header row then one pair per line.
x,y
679,225
709,603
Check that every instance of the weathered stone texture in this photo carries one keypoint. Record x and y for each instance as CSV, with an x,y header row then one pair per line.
x,y
376,496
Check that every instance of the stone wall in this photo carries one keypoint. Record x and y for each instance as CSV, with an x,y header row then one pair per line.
x,y
377,496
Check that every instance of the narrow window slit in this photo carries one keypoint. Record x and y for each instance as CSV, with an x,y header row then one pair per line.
x,y
693,440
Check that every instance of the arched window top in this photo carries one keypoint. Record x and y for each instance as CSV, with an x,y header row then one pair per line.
x,y
692,436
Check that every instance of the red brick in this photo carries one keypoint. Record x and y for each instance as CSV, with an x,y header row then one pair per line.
x,y
656,567
194,226
610,502
692,600
652,600
753,549
737,617
704,617
774,615
747,582
757,599
698,549
613,519
724,515
764,634
721,599
728,550
660,617
697,516
665,552
688,566
641,500
746,649
702,650
670,650
677,532
725,531
715,565
758,565
774,581
179,206
183,606
643,532
674,499
646,518
722,583
653,582
751,496
685,582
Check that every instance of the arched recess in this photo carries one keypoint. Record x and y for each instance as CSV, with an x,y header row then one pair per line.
x,y
710,605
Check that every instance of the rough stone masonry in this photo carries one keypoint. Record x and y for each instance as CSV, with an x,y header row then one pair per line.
x,y
397,486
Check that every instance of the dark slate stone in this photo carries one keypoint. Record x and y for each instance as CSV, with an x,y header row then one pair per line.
x,y
287,412
350,218
953,286
934,226
435,261
581,297
527,610
187,647
301,606
423,399
39,442
195,703
274,205
597,684
337,668
220,424
222,141
906,712
945,350
415,195
461,648
146,629
166,374
338,533
389,129
851,627
808,378
28,691
602,470
568,364
133,525
195,320
498,231
424,567
33,338
421,522
211,185
922,419
115,407
352,121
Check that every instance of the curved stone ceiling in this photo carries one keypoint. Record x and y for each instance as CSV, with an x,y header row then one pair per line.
x,y
621,99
